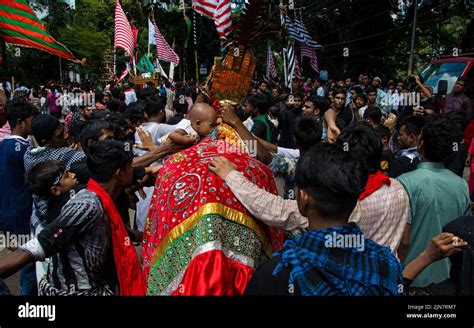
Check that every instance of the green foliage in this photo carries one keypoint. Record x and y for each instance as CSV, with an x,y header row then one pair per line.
x,y
374,42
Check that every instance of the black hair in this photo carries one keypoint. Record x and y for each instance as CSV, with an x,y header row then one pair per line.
x,y
155,105
115,93
93,131
460,117
77,129
116,105
298,94
338,91
363,143
382,131
358,90
179,107
99,96
286,90
145,93
374,114
413,124
319,102
440,135
41,177
332,177
105,157
18,109
308,132
361,95
136,111
274,110
118,123
258,102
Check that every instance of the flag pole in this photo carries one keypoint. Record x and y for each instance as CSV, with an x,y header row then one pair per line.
x,y
148,53
195,46
196,62
134,65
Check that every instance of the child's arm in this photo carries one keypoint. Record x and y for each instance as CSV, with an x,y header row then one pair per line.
x,y
180,137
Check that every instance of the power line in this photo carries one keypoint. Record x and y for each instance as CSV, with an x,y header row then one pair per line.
x,y
354,53
354,24
375,35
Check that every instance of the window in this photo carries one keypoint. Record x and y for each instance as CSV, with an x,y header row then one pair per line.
x,y
449,71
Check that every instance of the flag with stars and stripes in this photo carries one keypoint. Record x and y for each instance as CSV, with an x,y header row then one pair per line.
x,y
311,54
298,32
271,69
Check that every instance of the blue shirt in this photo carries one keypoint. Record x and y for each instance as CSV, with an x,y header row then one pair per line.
x,y
340,261
15,197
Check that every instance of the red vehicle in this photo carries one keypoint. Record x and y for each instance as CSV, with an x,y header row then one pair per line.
x,y
443,73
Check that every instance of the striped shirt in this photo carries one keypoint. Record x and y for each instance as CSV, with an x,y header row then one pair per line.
x,y
78,242
33,156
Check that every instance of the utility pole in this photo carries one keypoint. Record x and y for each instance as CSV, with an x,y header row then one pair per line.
x,y
413,36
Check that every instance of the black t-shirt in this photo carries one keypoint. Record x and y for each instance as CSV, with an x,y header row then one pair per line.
x,y
286,119
402,165
344,118
386,161
456,162
175,119
263,283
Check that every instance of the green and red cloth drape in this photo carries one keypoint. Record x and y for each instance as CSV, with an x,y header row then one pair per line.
x,y
199,239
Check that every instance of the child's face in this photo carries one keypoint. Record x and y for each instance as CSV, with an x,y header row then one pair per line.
x,y
203,128
66,183
359,102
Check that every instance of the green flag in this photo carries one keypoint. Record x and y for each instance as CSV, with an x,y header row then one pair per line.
x,y
145,65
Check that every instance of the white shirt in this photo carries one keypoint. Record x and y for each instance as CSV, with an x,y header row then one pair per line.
x,y
130,96
288,152
320,92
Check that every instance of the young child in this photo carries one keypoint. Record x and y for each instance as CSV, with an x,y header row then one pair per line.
x,y
203,121
52,181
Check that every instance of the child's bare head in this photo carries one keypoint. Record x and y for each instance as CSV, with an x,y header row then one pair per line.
x,y
203,118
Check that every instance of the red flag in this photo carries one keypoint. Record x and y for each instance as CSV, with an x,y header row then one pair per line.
x,y
165,52
217,10
123,32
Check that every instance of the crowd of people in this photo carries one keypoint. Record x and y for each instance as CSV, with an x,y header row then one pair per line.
x,y
371,196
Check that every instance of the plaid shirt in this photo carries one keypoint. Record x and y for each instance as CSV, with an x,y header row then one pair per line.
x,y
318,270
33,156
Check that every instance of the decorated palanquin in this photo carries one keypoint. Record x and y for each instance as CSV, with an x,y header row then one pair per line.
x,y
199,239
